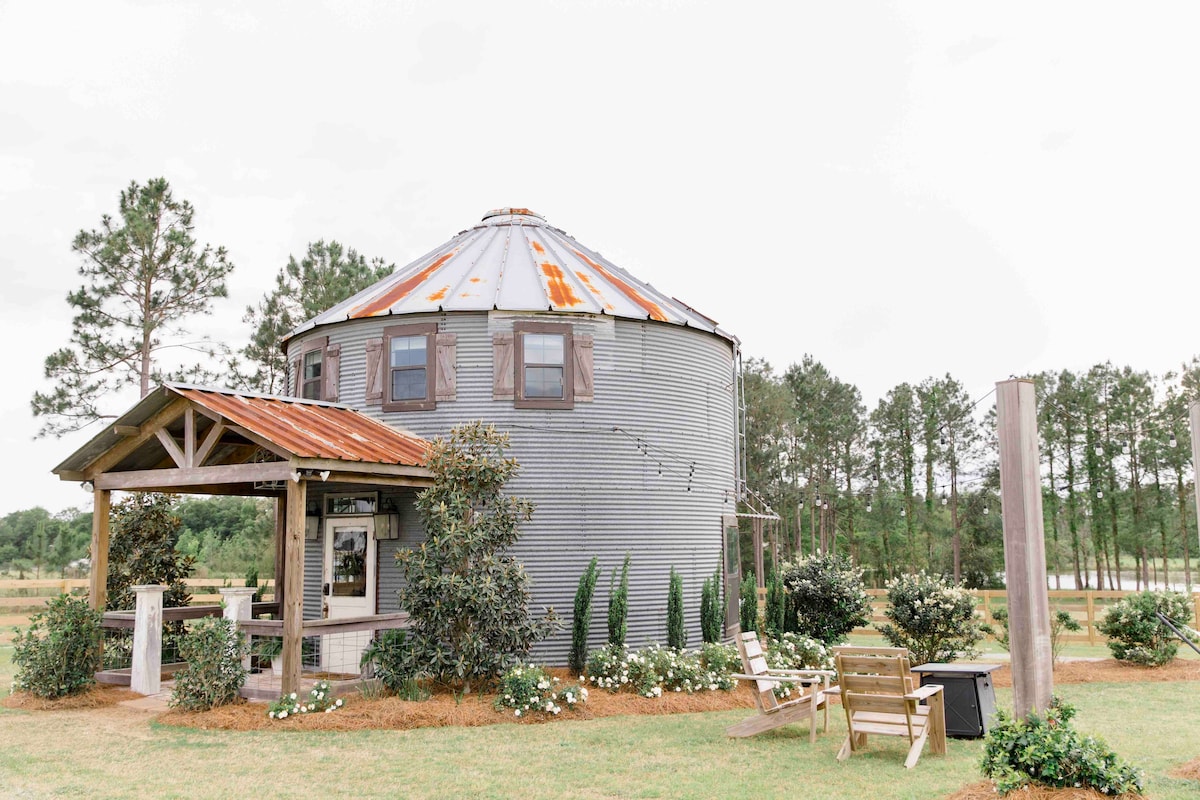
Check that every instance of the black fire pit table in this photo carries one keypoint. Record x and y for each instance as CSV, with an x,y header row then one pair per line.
x,y
969,695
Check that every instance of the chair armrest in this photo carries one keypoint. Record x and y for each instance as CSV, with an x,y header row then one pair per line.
x,y
774,676
924,692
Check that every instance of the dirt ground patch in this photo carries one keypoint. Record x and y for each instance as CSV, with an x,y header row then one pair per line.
x,y
1190,770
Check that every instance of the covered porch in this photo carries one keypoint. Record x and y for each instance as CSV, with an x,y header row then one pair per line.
x,y
319,461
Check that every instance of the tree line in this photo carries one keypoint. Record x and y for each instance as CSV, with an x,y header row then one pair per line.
x,y
914,482
227,536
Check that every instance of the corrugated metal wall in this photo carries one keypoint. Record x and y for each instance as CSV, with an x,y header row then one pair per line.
x,y
656,487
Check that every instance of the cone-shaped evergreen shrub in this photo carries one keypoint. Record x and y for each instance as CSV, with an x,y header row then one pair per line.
x,y
583,616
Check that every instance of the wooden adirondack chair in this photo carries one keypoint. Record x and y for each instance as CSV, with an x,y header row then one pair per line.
x,y
878,697
771,712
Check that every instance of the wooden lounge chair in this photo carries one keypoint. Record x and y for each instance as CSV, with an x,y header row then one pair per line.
x,y
854,650
771,713
878,697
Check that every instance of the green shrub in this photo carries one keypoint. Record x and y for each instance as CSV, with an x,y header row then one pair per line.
x,y
320,700
776,610
935,620
391,658
467,597
711,618
1060,623
142,551
618,605
826,598
58,654
721,661
748,603
652,671
1047,750
1136,635
528,689
583,616
676,632
213,649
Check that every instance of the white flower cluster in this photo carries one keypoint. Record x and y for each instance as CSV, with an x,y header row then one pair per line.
x,y
320,699
528,689
656,669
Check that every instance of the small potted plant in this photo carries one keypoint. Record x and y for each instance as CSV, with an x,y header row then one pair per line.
x,y
269,650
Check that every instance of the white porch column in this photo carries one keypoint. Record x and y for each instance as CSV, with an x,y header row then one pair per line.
x,y
239,602
146,675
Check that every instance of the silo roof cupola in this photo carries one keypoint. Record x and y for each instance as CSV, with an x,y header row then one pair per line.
x,y
513,260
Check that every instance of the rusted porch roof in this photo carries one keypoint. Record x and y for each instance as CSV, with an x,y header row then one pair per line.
x,y
219,437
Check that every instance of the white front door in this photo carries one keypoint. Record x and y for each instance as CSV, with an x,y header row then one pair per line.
x,y
349,588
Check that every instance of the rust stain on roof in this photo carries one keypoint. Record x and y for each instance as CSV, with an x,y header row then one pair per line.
x,y
440,294
476,279
560,292
401,290
310,430
538,247
648,306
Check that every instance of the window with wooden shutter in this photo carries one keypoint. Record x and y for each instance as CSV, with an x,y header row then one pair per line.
x,y
446,373
374,378
310,379
410,356
294,379
544,365
502,366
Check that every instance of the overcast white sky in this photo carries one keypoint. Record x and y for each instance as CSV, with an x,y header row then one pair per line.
x,y
900,190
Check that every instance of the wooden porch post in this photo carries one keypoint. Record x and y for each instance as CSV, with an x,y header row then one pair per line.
x,y
1024,547
98,591
292,605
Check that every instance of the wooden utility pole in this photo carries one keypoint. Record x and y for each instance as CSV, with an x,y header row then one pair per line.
x,y
1024,547
756,539
1195,415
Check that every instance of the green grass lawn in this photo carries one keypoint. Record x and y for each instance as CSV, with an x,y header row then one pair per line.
x,y
119,753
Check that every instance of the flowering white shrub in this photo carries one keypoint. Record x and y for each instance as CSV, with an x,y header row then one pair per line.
x,y
528,689
934,619
826,598
655,670
320,699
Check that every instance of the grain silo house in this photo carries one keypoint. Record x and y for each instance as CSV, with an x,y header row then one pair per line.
x,y
620,401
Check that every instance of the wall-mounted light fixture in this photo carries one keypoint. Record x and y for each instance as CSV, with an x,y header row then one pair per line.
x,y
387,521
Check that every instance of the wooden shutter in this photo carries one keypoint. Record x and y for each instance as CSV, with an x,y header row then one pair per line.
x,y
331,373
446,374
374,379
502,366
297,379
582,353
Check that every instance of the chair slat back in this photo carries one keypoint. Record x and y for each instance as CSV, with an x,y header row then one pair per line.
x,y
755,663
876,682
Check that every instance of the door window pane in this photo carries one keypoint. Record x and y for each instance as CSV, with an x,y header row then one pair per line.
x,y
349,562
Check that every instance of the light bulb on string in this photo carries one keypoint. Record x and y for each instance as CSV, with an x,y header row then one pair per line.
x,y
903,512
1099,494
1173,442
1099,450
985,511
868,508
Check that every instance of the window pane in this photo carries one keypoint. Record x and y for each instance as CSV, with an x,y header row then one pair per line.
x,y
544,382
543,348
312,365
408,351
408,384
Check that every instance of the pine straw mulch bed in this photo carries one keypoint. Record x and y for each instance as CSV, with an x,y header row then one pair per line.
x,y
442,710
1190,770
985,791
98,696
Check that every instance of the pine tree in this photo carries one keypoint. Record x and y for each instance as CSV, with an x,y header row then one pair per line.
x,y
144,274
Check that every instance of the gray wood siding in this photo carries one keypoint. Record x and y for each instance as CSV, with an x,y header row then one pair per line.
x,y
596,492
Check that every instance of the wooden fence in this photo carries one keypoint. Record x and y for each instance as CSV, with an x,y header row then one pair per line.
x,y
20,598
1086,606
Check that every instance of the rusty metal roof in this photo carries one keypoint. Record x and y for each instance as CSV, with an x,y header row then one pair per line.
x,y
514,261
307,429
